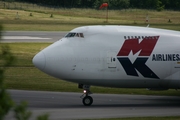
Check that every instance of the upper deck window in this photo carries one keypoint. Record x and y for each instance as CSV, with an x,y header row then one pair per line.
x,y
75,35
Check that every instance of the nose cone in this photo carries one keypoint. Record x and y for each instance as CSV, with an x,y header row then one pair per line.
x,y
39,60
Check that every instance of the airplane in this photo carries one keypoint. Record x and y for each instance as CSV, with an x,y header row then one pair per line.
x,y
114,56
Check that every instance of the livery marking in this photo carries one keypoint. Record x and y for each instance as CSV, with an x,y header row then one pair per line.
x,y
145,48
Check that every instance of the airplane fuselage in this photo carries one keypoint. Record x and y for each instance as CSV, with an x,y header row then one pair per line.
x,y
115,56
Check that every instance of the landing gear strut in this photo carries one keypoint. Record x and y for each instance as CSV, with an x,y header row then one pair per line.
x,y
86,99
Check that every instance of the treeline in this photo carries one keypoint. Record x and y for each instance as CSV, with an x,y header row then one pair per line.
x,y
113,4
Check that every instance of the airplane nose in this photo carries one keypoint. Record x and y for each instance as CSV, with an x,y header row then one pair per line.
x,y
39,60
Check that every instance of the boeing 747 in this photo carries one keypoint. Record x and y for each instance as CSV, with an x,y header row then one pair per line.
x,y
114,56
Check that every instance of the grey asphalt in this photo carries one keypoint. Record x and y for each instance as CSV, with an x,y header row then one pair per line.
x,y
43,35
66,105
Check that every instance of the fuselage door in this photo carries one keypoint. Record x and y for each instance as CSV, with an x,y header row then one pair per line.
x,y
111,59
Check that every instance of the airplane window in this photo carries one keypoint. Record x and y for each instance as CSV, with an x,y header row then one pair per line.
x,y
139,37
81,34
77,34
70,35
124,37
67,35
142,37
128,37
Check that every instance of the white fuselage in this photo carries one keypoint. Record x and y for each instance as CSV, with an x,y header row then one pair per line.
x,y
115,56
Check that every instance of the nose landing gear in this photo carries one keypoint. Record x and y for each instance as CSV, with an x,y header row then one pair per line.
x,y
86,99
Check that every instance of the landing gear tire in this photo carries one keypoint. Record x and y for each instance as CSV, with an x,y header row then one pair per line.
x,y
87,100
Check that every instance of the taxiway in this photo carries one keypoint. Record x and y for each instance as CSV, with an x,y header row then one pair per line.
x,y
65,105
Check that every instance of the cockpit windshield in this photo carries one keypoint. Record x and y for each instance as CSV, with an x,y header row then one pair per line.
x,y
72,34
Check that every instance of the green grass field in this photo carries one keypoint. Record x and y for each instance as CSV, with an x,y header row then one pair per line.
x,y
37,18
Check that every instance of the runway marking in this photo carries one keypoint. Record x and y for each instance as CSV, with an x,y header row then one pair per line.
x,y
21,37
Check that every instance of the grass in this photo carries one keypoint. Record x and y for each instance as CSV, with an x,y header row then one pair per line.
x,y
24,52
23,75
33,17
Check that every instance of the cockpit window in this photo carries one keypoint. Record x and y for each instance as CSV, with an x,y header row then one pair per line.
x,y
75,35
70,35
81,34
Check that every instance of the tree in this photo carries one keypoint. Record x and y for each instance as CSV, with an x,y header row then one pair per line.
x,y
6,102
118,4
6,58
113,4
97,3
159,6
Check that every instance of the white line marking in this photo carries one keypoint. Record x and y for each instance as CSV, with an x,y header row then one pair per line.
x,y
21,37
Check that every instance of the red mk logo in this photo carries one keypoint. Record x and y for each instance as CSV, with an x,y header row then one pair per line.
x,y
146,46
